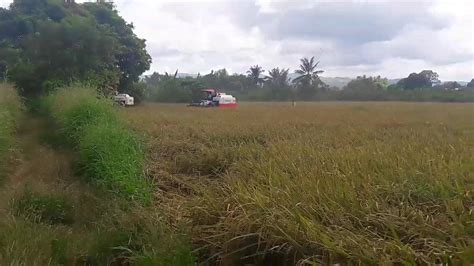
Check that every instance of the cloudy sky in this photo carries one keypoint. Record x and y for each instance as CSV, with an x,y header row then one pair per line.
x,y
350,38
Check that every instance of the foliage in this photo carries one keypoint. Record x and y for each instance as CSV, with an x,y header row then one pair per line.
x,y
47,44
308,82
308,73
424,79
132,57
138,90
254,73
365,88
449,85
277,82
235,83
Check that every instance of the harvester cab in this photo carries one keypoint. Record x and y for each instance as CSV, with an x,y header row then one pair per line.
x,y
209,94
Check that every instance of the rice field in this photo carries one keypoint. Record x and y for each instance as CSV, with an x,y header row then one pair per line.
x,y
316,183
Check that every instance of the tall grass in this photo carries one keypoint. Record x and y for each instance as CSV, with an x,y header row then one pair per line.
x,y
370,183
49,218
10,108
109,155
115,237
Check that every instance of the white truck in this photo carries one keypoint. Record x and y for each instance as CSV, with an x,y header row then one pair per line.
x,y
124,99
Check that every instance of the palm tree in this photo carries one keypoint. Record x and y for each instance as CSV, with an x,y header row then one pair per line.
x,y
278,77
307,71
254,73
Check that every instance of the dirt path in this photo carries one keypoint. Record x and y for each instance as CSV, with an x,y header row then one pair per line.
x,y
37,165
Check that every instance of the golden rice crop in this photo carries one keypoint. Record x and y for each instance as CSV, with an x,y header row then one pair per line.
x,y
319,182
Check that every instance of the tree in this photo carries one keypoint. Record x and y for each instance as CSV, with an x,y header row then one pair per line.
x,y
59,53
432,76
277,77
254,73
277,83
365,88
308,81
451,86
49,43
308,73
424,79
132,57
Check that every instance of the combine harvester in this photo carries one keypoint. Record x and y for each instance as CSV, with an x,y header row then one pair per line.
x,y
213,98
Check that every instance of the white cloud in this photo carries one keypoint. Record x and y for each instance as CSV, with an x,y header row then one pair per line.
x,y
200,35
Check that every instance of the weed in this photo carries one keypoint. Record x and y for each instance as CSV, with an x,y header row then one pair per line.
x,y
44,208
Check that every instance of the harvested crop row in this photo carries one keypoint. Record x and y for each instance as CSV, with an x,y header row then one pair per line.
x,y
10,107
109,155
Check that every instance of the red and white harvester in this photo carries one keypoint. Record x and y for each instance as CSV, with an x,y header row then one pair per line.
x,y
213,98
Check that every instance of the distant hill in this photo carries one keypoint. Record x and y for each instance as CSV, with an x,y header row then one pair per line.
x,y
338,82
393,81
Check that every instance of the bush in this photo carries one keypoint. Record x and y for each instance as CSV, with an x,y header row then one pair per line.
x,y
44,209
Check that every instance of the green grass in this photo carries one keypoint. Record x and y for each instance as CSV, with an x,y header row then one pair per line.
x,y
113,157
44,208
370,183
116,237
109,155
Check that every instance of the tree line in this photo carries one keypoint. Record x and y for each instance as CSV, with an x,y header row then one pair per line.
x,y
277,85
255,84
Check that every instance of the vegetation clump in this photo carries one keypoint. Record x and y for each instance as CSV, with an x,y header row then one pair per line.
x,y
109,155
44,208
